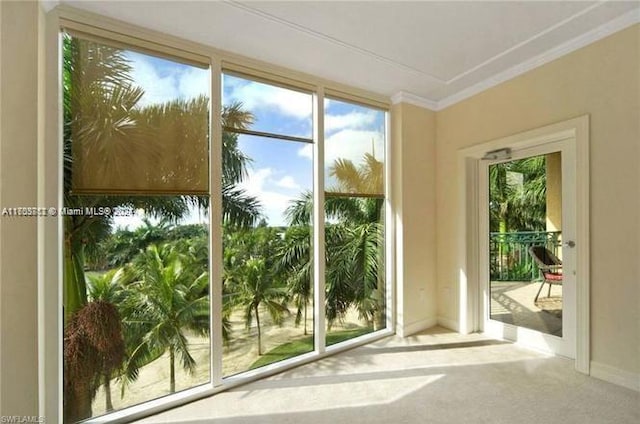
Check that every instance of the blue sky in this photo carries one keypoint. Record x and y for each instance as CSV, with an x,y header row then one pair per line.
x,y
280,171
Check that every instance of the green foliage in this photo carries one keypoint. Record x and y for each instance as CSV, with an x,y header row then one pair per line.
x,y
354,243
513,206
252,275
169,297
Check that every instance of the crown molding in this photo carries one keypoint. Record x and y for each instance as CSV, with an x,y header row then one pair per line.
x,y
404,97
609,28
48,5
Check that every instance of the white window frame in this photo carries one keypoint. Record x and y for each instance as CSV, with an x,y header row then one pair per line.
x,y
51,231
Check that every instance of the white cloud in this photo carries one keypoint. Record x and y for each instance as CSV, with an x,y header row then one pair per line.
x,y
288,182
194,82
255,96
176,82
349,144
274,204
306,151
353,144
352,120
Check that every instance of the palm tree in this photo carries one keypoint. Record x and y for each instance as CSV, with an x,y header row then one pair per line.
x,y
258,289
102,113
294,261
166,301
354,239
109,288
252,277
514,206
101,109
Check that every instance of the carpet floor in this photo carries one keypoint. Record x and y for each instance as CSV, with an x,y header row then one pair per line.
x,y
434,377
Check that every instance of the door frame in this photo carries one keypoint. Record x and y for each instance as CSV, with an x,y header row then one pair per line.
x,y
470,307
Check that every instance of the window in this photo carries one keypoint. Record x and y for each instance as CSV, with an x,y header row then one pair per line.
x,y
192,224
267,277
355,229
136,246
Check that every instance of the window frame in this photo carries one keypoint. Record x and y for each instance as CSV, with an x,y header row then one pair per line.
x,y
50,193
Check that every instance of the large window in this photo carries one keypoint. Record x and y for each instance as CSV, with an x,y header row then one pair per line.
x,y
209,231
355,283
136,241
267,277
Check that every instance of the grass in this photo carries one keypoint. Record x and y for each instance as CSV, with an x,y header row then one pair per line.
x,y
305,345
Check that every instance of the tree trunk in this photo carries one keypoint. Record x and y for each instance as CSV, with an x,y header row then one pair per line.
x,y
172,371
75,286
107,392
77,404
305,315
259,335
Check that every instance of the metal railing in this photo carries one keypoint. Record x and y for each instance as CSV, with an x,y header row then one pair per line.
x,y
509,258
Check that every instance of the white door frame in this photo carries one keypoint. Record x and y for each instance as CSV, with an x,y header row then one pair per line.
x,y
471,310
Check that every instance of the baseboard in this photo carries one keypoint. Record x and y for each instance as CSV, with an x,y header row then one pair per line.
x,y
448,323
615,375
415,327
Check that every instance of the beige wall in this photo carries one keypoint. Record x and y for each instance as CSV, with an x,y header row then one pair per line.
x,y
602,80
18,171
413,155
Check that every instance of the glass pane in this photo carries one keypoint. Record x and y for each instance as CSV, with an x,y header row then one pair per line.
x,y
273,109
136,290
136,277
268,274
136,123
525,210
354,148
355,286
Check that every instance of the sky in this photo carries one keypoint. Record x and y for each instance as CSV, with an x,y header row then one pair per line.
x,y
279,171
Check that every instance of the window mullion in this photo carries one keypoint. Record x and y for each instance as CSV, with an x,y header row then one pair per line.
x,y
389,235
318,222
215,224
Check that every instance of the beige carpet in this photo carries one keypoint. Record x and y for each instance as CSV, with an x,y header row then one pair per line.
x,y
435,377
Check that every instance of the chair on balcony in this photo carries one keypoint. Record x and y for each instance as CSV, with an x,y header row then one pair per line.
x,y
549,265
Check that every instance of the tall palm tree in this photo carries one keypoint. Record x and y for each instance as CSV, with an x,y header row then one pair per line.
x,y
166,301
109,287
354,239
252,278
257,289
101,108
294,261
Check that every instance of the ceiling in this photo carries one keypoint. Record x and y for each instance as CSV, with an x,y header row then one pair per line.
x,y
433,53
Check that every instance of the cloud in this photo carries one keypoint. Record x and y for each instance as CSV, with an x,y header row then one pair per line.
x,y
352,120
349,144
169,81
254,96
288,182
306,151
353,144
260,184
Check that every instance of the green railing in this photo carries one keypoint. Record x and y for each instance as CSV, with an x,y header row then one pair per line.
x,y
509,258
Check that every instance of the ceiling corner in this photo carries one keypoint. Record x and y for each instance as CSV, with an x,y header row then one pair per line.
x,y
404,97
